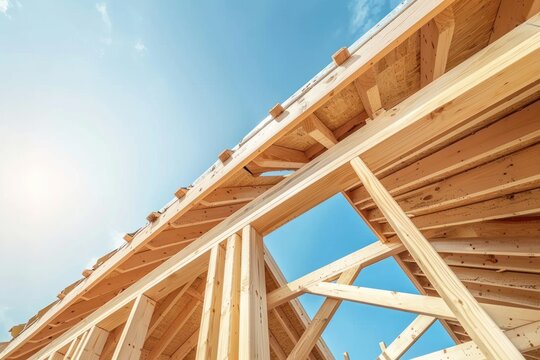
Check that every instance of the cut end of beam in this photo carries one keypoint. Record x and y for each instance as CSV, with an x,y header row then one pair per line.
x,y
153,216
16,330
341,56
276,110
61,295
224,156
87,272
128,237
180,193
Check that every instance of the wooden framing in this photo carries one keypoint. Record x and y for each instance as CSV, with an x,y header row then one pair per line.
x,y
457,205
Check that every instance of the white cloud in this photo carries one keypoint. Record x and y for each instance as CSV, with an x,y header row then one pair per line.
x,y
102,10
365,13
4,6
140,47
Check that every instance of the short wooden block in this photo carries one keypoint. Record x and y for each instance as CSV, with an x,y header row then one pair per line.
x,y
153,216
16,330
128,237
87,272
341,56
225,155
180,193
61,295
276,111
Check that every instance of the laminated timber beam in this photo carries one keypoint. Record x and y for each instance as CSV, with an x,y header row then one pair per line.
x,y
407,338
488,77
474,319
93,344
525,338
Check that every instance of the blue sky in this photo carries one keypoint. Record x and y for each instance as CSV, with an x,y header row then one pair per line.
x,y
107,107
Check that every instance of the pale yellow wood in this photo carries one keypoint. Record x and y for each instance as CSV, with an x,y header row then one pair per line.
x,y
367,88
78,350
321,319
209,328
253,331
93,344
489,76
276,348
346,356
407,338
319,132
435,39
230,312
360,258
525,338
131,341
72,348
506,317
478,324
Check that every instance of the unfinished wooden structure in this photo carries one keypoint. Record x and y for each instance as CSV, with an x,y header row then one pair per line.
x,y
429,125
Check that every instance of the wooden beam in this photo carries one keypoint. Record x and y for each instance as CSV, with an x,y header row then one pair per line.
x,y
93,344
206,215
186,347
253,332
280,157
73,345
513,132
319,132
524,338
465,91
134,333
512,13
407,338
321,319
234,195
361,258
435,39
173,329
506,317
112,341
230,312
480,327
507,175
209,328
341,56
523,203
367,88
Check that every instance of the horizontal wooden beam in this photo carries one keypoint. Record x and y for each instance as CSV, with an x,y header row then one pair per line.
x,y
361,258
506,317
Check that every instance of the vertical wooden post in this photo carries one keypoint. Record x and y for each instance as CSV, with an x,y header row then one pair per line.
x,y
72,348
230,312
93,344
254,342
209,329
134,334
480,327
325,313
78,349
